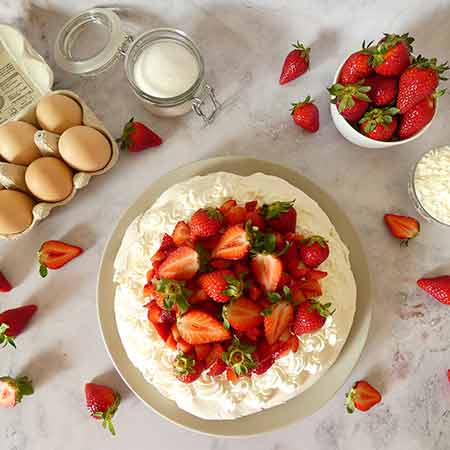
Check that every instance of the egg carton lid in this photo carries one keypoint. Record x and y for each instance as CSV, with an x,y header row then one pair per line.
x,y
25,77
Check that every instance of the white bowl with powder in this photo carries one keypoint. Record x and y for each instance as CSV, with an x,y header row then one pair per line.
x,y
429,185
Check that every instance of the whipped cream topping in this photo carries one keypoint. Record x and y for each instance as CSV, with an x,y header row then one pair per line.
x,y
216,398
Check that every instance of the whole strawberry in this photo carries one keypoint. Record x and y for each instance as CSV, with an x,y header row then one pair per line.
x,y
295,64
352,100
221,285
13,322
383,90
310,317
362,396
379,123
314,251
5,285
437,287
187,369
356,67
205,223
281,216
416,118
391,56
306,115
419,81
137,137
102,403
12,390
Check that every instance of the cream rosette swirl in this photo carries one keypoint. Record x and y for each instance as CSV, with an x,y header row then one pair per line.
x,y
216,398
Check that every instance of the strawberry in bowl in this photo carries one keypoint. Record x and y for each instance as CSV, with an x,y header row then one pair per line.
x,y
383,96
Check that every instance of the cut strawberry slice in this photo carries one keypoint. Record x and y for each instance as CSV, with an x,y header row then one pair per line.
x,y
233,244
231,375
182,234
277,320
217,368
267,271
251,206
162,329
316,275
235,215
202,351
311,288
184,347
362,396
198,296
243,314
220,263
55,254
167,245
181,264
215,354
199,327
402,227
227,205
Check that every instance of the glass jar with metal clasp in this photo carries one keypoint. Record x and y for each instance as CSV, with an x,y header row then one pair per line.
x,y
94,41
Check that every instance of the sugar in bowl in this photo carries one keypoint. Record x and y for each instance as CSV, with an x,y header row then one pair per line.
x,y
164,67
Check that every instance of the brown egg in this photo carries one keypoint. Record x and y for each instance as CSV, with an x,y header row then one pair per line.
x,y
85,149
17,143
15,211
49,179
57,113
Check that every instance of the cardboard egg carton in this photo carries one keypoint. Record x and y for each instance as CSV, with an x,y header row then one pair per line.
x,y
12,176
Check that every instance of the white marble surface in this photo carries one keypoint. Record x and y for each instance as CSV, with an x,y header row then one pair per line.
x,y
244,43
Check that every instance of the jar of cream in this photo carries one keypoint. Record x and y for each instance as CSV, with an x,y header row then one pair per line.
x,y
163,66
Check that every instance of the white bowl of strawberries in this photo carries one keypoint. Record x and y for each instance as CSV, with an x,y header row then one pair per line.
x,y
382,96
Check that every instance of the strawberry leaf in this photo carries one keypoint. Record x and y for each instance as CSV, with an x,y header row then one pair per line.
x,y
275,209
4,338
174,292
239,357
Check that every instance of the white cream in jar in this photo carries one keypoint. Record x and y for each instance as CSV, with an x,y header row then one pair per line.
x,y
165,69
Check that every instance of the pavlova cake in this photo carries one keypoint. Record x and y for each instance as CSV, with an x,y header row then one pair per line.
x,y
234,294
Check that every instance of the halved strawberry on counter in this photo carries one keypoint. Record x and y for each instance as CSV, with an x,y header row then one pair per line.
x,y
55,254
13,322
12,390
363,396
402,227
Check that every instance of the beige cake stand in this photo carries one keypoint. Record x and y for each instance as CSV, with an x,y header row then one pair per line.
x,y
299,407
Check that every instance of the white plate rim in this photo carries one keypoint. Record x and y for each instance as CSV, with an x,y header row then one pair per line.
x,y
269,420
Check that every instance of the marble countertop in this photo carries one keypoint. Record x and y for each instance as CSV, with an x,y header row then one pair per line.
x,y
244,43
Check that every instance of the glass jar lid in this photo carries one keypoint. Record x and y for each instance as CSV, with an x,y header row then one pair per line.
x,y
90,43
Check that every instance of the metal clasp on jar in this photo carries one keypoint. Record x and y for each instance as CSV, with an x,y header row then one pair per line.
x,y
198,102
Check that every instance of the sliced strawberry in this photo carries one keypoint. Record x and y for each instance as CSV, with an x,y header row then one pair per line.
x,y
233,244
171,342
202,351
187,369
316,275
311,289
199,327
254,291
243,314
221,285
291,260
215,354
12,390
267,271
220,263
102,403
227,205
150,274
55,254
210,307
162,329
235,215
184,347
402,227
251,206
241,268
154,312
181,264
297,295
264,365
217,368
182,234
198,296
254,334
285,280
277,320
167,246
362,396
256,219
231,375
291,344
5,285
